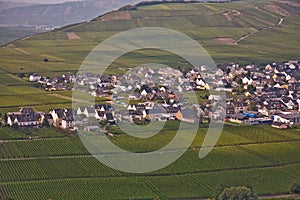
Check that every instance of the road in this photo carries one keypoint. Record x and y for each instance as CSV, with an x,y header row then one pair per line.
x,y
257,31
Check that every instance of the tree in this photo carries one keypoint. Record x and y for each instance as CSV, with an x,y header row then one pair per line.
x,y
238,193
239,81
46,123
15,126
251,88
252,106
295,188
5,117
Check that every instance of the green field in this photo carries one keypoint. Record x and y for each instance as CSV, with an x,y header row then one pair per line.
x,y
262,157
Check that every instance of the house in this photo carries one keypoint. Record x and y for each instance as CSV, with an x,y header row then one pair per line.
x,y
230,109
158,114
258,121
34,78
47,117
103,107
186,115
87,111
63,118
236,118
26,118
68,122
110,118
215,97
172,111
57,115
240,107
279,125
100,115
291,118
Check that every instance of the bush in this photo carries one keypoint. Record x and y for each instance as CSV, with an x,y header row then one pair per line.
x,y
238,193
295,188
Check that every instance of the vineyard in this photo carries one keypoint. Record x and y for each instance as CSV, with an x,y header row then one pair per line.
x,y
261,156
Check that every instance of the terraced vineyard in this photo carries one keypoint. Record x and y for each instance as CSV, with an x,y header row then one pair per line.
x,y
260,156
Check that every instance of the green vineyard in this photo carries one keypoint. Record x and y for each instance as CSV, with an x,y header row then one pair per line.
x,y
264,158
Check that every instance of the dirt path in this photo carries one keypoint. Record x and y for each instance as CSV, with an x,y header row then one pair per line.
x,y
257,31
22,51
226,41
281,19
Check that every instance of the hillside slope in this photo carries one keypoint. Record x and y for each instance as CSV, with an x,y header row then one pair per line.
x,y
251,31
58,14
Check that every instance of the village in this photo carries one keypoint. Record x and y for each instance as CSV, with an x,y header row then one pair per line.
x,y
254,96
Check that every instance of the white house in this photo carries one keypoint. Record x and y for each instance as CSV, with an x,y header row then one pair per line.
x,y
292,118
26,117
34,78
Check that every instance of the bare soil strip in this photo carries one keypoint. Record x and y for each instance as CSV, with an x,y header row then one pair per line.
x,y
120,15
227,41
73,36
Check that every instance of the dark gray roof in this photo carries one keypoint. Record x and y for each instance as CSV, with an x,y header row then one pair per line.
x,y
24,118
27,111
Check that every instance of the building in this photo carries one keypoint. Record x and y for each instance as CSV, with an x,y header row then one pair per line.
x,y
34,78
25,118
291,118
